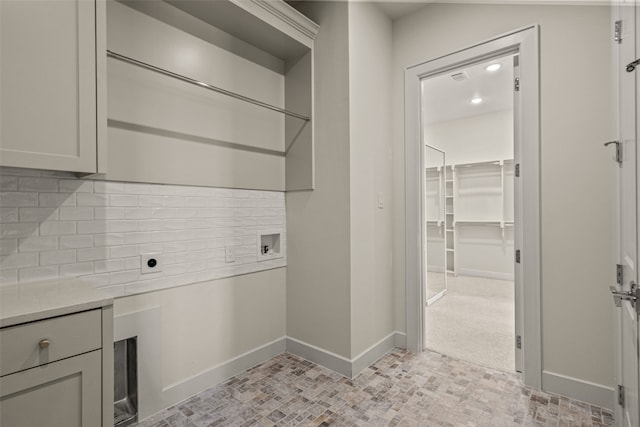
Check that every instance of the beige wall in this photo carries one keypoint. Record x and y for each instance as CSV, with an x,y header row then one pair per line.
x,y
208,323
577,174
318,254
370,54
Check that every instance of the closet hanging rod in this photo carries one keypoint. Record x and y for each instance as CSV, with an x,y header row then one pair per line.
x,y
159,70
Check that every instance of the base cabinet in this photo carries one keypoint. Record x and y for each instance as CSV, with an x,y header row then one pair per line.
x,y
66,393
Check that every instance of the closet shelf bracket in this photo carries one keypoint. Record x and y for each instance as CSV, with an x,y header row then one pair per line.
x,y
198,83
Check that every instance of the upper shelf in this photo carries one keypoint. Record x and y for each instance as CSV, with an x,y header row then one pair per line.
x,y
271,33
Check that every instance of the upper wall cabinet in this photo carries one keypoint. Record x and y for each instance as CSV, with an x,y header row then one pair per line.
x,y
210,92
49,84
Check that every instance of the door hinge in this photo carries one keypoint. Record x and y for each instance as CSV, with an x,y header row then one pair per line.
x,y
518,256
517,170
619,274
618,150
519,342
617,32
516,84
621,395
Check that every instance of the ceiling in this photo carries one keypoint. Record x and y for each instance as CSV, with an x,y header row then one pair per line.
x,y
447,99
396,9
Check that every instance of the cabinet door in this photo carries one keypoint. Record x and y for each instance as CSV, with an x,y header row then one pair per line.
x,y
61,394
48,84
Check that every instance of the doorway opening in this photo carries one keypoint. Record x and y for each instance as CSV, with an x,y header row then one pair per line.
x,y
468,199
524,45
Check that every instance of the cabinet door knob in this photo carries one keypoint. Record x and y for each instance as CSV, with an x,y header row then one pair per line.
x,y
44,343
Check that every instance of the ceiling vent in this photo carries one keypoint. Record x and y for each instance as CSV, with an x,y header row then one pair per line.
x,y
460,76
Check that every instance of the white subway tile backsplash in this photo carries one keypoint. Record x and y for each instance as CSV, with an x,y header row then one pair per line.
x,y
153,201
75,270
123,200
92,199
75,186
109,213
92,227
75,213
132,263
136,238
57,199
110,265
174,201
57,228
108,187
137,213
76,242
40,185
8,183
52,225
12,199
122,226
108,239
37,274
38,244
37,214
97,280
18,260
58,257
16,230
93,254
8,277
8,214
8,246
124,251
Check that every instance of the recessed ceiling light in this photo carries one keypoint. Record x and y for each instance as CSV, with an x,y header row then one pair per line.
x,y
493,67
476,100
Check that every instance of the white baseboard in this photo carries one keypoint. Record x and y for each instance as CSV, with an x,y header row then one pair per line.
x,y
186,388
373,353
486,274
322,357
174,393
585,391
342,365
401,339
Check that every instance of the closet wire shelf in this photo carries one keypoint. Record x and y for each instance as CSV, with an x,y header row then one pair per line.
x,y
198,83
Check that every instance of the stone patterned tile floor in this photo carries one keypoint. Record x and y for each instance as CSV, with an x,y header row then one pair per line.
x,y
400,389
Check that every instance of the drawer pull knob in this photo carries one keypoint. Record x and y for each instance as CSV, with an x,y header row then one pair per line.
x,y
44,343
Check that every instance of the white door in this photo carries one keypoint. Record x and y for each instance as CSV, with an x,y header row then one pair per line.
x,y
627,414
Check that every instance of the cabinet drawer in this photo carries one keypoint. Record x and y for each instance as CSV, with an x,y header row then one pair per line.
x,y
67,336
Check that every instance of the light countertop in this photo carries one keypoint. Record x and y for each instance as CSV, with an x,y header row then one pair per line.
x,y
28,302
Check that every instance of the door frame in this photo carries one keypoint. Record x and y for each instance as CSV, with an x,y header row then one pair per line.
x,y
524,42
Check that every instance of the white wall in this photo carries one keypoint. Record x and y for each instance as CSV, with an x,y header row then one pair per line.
x,y
577,175
318,226
473,139
209,323
370,56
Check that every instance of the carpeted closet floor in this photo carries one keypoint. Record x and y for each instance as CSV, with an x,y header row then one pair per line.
x,y
474,321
